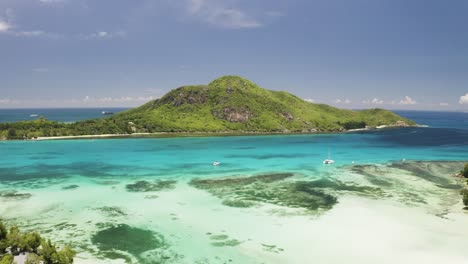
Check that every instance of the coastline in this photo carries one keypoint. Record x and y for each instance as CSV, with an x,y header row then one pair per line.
x,y
212,134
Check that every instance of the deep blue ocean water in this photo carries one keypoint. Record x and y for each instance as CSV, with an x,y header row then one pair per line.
x,y
438,119
55,114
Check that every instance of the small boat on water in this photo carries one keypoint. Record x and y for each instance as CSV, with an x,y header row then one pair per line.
x,y
328,160
107,113
33,115
216,163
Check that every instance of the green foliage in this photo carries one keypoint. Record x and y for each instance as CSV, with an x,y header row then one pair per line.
x,y
354,125
32,241
3,231
15,239
464,172
38,249
227,104
7,259
11,133
464,194
50,255
33,259
23,242
48,251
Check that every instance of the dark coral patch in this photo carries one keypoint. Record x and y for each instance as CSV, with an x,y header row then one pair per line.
x,y
146,186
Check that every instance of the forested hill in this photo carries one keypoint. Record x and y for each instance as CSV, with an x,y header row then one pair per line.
x,y
227,104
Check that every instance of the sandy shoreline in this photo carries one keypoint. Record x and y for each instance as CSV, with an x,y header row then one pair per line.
x,y
211,134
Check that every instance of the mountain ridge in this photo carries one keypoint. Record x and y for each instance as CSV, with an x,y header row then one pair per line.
x,y
233,103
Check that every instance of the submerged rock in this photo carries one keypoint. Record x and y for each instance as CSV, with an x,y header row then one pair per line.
x,y
279,189
70,187
112,211
146,186
122,238
223,241
436,172
415,183
14,195
238,181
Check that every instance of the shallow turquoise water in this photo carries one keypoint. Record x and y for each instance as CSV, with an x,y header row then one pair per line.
x,y
189,157
191,220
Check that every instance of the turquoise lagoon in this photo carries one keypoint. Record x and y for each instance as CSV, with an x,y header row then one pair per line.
x,y
390,197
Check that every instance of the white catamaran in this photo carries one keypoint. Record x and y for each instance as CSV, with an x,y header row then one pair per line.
x,y
328,160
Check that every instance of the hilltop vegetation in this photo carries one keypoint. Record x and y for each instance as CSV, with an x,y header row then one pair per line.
x,y
228,104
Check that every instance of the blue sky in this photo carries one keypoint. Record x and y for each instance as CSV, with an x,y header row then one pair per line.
x,y
396,54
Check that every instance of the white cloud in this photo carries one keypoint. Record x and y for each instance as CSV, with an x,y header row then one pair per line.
x,y
33,33
407,101
4,26
5,101
374,101
340,101
122,99
218,14
106,35
7,27
310,100
463,99
87,101
443,104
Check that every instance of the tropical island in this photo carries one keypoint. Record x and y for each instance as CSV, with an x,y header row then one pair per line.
x,y
230,104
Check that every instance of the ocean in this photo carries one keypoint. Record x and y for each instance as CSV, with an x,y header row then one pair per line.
x,y
390,196
56,114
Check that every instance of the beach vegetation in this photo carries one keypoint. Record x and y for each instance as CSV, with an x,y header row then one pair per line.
x,y
33,259
51,255
7,259
37,248
464,172
464,194
11,133
228,104
353,125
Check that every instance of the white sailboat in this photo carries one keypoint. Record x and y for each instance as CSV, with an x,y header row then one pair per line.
x,y
328,160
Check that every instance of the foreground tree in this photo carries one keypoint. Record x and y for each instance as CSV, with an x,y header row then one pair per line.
x,y
7,259
38,249
464,172
33,259
50,255
465,198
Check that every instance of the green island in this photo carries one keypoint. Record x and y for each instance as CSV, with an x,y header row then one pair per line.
x,y
228,105
32,247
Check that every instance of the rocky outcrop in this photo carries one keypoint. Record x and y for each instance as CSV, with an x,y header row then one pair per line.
x,y
401,124
181,96
234,115
287,116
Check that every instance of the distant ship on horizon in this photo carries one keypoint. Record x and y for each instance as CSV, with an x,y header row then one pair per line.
x,y
107,113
